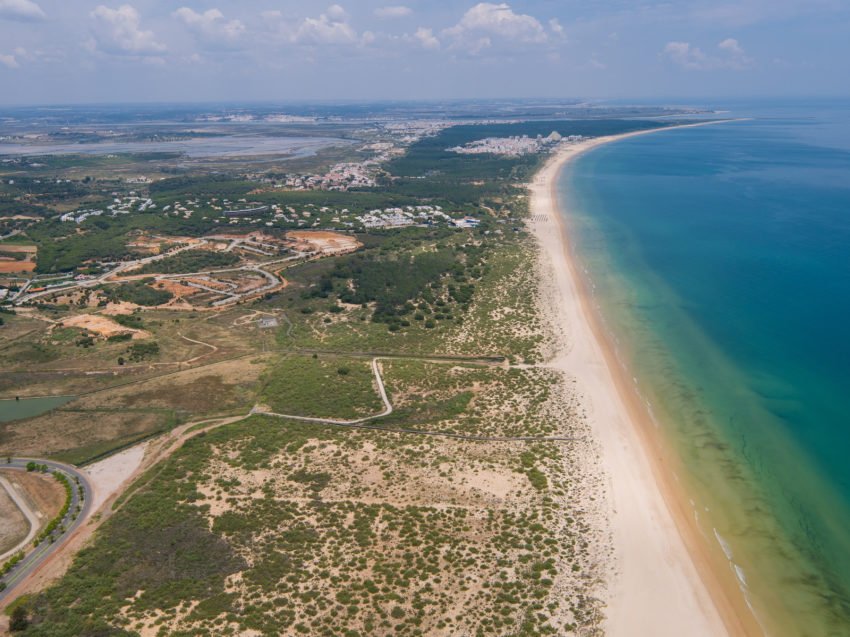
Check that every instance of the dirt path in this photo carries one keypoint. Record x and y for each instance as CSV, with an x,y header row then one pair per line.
x,y
192,340
360,423
29,514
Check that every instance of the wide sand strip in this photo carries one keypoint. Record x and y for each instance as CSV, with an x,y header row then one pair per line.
x,y
663,582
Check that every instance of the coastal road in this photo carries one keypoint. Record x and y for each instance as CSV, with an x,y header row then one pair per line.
x,y
37,556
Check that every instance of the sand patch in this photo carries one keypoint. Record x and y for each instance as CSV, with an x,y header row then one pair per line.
x,y
119,308
11,265
176,288
102,325
323,242
108,475
497,483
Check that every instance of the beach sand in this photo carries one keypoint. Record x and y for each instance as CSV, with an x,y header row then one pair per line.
x,y
662,580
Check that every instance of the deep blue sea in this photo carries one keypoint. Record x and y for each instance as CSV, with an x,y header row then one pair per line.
x,y
719,259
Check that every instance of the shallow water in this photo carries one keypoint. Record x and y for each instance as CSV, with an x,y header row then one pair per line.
x,y
29,407
201,147
718,257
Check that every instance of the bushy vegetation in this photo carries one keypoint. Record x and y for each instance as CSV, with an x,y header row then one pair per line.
x,y
140,292
276,529
389,283
142,351
55,522
316,387
190,261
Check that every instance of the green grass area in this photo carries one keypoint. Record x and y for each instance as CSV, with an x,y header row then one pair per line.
x,y
324,387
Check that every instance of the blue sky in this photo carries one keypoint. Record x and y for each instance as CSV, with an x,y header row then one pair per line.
x,y
64,51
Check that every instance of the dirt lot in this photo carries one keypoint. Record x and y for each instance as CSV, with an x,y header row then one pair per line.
x,y
5,247
44,492
44,495
13,524
11,265
178,289
102,326
8,264
324,242
121,307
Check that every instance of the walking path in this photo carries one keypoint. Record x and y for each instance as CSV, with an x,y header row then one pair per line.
x,y
360,423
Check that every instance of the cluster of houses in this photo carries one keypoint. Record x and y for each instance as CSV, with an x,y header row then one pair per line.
x,y
412,215
119,206
513,146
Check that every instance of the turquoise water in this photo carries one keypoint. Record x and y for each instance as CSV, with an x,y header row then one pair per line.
x,y
719,258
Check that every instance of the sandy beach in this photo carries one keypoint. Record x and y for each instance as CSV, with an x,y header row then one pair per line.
x,y
662,580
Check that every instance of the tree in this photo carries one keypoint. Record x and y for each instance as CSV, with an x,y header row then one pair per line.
x,y
18,620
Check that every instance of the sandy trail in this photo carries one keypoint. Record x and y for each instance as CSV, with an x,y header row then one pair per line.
x,y
661,583
110,475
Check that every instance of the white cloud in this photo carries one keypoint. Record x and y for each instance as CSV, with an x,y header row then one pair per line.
x,y
396,11
117,31
731,45
683,54
9,61
487,19
210,26
331,27
556,27
692,57
20,10
426,38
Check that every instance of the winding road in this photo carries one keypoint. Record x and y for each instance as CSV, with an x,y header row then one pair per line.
x,y
38,555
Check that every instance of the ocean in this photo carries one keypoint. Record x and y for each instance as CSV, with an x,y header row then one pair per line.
x,y
719,262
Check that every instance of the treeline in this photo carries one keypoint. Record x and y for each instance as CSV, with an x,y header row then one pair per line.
x,y
190,261
389,283
428,169
138,292
61,248
210,185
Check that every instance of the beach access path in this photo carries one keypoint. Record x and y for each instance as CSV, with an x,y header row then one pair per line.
x,y
659,583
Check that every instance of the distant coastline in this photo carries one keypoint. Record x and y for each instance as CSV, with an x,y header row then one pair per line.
x,y
672,573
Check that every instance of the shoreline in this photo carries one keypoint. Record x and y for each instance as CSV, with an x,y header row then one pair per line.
x,y
667,582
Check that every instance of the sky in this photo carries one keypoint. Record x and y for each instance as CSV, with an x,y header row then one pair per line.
x,y
78,51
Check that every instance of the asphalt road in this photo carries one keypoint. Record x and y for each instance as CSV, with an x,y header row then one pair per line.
x,y
45,549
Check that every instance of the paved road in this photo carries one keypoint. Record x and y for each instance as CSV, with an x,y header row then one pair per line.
x,y
38,555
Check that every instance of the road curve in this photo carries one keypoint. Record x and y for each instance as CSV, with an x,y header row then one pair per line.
x,y
37,556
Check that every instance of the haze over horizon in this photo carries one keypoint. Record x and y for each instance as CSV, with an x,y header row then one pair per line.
x,y
145,51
